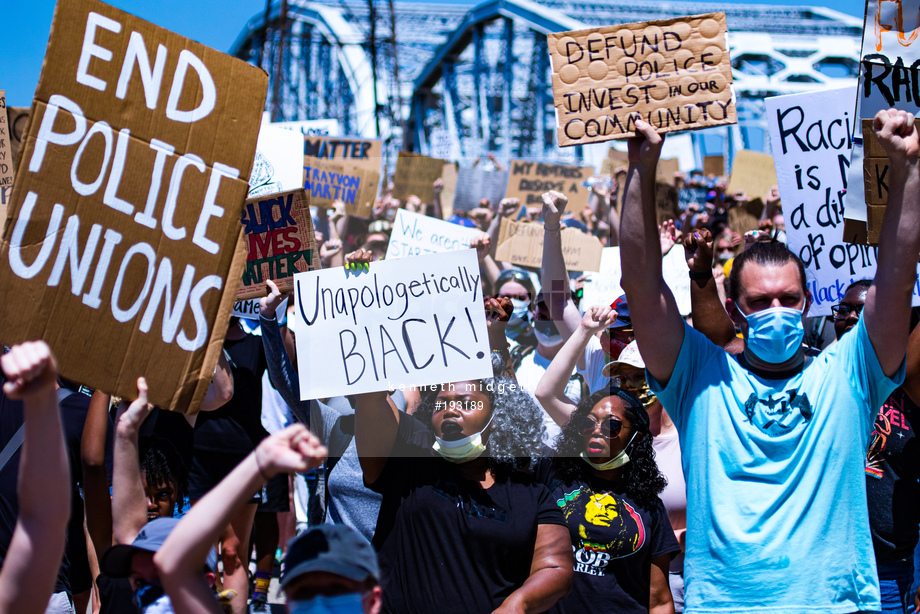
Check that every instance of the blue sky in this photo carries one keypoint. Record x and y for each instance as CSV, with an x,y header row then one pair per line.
x,y
215,23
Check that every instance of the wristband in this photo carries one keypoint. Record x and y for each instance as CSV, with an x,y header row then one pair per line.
x,y
700,276
556,229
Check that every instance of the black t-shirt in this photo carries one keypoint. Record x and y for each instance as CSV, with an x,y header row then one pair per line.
x,y
73,415
115,595
174,427
445,544
236,428
892,472
615,541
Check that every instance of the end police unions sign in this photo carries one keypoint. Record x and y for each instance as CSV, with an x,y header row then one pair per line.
x,y
122,246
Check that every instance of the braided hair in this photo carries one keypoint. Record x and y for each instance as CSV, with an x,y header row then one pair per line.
x,y
161,463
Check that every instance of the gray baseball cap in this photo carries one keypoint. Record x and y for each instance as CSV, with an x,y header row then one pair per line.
x,y
116,562
331,548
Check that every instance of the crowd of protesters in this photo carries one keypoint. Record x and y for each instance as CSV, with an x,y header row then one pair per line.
x,y
621,458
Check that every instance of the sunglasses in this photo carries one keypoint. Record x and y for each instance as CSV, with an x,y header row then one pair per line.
x,y
843,310
610,427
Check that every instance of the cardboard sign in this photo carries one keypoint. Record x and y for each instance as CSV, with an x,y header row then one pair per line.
x,y
415,176
745,217
528,181
277,165
666,170
674,74
812,175
415,235
887,78
250,309
6,151
603,287
123,247
714,165
614,160
279,242
752,173
328,182
363,153
474,184
416,321
17,120
521,243
875,181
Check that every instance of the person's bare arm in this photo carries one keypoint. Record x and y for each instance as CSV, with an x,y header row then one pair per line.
x,y
221,389
709,315
508,207
551,573
96,497
660,600
438,209
487,266
550,390
553,273
887,309
182,556
129,503
32,561
658,327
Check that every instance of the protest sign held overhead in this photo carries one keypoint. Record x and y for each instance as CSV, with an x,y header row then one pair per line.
x,y
418,321
811,146
674,74
521,243
714,165
123,239
474,184
250,310
888,77
415,176
279,242
752,173
528,181
363,153
415,235
276,167
326,182
6,150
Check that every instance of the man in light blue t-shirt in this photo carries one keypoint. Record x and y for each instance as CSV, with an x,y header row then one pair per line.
x,y
774,442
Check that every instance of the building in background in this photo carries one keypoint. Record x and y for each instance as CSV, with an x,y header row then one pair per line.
x,y
458,81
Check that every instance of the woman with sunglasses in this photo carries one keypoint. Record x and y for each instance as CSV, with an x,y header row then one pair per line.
x,y
463,525
607,484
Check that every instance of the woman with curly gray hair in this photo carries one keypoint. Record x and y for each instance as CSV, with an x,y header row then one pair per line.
x,y
462,528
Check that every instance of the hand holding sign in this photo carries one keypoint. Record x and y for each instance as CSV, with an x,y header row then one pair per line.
x,y
645,147
269,304
897,135
553,208
132,415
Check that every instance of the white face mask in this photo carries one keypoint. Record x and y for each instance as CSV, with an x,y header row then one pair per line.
x,y
547,334
617,461
462,450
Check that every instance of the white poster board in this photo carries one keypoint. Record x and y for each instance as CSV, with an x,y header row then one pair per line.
x,y
249,309
603,287
415,322
811,151
474,184
415,235
278,165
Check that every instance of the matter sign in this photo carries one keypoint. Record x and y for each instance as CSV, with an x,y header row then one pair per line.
x,y
674,74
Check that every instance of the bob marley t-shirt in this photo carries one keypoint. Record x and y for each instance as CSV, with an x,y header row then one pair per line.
x,y
615,541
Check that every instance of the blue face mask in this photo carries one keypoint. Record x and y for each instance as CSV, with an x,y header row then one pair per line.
x,y
775,334
340,604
